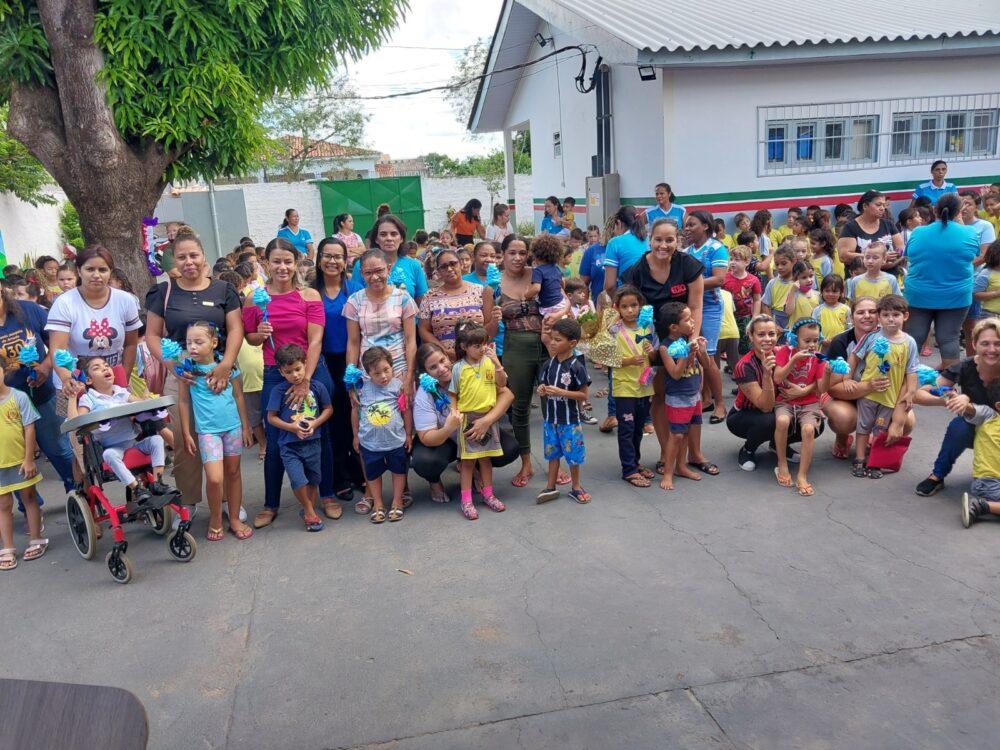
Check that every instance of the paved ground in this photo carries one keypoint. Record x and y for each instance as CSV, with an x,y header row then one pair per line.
x,y
727,614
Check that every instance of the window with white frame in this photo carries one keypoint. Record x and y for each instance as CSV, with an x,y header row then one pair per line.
x,y
878,133
830,142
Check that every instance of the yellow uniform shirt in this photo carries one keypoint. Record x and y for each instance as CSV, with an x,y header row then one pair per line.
x,y
804,305
729,240
475,385
993,285
902,359
986,447
833,320
728,329
994,220
16,412
625,380
250,360
862,286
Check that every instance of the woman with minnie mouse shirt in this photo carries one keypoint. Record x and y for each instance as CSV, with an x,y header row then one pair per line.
x,y
92,320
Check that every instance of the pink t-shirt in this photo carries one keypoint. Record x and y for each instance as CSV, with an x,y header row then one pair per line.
x,y
290,316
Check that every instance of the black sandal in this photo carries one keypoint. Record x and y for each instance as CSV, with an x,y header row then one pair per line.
x,y
874,473
706,467
716,419
858,468
661,468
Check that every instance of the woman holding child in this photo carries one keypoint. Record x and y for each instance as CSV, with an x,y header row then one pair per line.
x,y
294,316
92,320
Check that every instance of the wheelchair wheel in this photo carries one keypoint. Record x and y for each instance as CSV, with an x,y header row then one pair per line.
x,y
160,520
82,528
182,546
120,567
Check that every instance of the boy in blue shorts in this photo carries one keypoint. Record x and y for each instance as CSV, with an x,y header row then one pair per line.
x,y
299,439
564,383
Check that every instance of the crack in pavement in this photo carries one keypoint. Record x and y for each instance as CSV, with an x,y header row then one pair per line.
x,y
668,691
983,595
693,697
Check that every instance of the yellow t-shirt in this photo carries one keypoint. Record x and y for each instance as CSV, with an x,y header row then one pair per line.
x,y
779,292
574,263
994,220
833,320
902,355
993,305
986,447
625,380
862,286
804,305
250,360
728,329
16,411
838,265
729,241
475,385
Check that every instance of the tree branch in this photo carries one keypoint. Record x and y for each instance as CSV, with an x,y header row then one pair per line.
x,y
35,119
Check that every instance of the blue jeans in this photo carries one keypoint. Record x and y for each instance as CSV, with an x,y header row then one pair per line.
x,y
957,439
274,471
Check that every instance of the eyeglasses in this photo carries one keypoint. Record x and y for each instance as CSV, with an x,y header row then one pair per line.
x,y
450,264
325,257
375,271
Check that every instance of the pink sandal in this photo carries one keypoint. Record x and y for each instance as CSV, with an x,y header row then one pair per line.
x,y
493,503
469,511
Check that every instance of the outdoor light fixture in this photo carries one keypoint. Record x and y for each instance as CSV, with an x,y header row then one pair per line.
x,y
542,41
647,73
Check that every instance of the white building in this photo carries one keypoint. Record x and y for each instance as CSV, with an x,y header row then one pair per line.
x,y
748,105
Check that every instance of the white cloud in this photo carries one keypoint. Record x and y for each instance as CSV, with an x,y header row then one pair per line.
x,y
410,126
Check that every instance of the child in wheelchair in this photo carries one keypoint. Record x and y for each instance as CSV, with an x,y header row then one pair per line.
x,y
118,435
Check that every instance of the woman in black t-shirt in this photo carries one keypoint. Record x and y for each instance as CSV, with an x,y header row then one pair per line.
x,y
170,308
978,380
870,226
665,275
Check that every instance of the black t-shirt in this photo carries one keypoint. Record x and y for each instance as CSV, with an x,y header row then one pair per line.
x,y
883,234
965,375
683,271
184,308
841,344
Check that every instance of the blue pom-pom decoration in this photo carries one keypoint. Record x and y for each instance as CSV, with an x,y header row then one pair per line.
x,y
941,390
397,277
881,346
28,356
492,275
352,376
261,298
170,350
429,383
884,367
64,358
839,366
679,349
186,366
927,375
791,339
645,316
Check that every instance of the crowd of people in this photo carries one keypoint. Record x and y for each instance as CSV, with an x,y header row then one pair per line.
x,y
352,357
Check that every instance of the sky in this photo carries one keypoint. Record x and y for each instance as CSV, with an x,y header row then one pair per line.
x,y
411,126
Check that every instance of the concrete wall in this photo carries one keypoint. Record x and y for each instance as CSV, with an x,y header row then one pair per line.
x,y
30,230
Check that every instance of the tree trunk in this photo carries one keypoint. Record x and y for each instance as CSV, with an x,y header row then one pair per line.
x,y
70,129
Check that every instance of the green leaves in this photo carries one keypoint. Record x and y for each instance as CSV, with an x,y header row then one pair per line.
x,y
194,75
20,172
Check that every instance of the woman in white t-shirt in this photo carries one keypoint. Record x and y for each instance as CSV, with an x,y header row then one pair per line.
x,y
500,226
92,320
437,427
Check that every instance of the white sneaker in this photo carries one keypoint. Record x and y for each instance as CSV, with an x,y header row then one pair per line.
x,y
243,513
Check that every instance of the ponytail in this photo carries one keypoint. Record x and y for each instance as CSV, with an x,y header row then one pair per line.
x,y
948,207
284,222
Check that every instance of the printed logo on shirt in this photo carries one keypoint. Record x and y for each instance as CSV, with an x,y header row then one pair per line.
x,y
678,289
100,334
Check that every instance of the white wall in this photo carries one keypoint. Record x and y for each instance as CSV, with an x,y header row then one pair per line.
x,y
30,230
710,127
441,192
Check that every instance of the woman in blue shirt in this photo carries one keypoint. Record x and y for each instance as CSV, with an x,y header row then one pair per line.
x,y
665,207
334,287
406,272
552,221
291,231
714,257
939,282
625,248
936,186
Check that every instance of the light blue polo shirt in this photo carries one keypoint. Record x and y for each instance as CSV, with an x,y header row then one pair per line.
x,y
713,254
300,239
414,280
676,213
623,252
929,190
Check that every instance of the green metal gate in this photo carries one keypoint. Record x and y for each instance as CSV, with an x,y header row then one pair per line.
x,y
361,198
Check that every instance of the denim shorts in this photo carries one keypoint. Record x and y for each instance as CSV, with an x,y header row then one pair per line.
x,y
564,441
377,463
302,460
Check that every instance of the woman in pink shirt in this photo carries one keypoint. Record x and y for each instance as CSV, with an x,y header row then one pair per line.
x,y
295,316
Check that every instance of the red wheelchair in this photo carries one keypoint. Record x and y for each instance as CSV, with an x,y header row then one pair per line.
x,y
88,508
